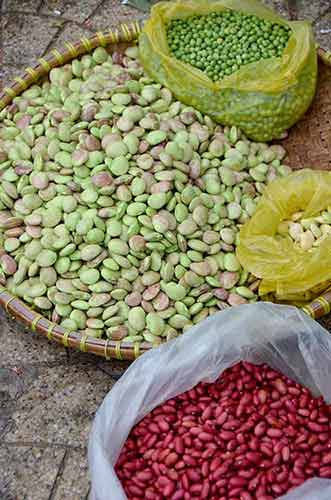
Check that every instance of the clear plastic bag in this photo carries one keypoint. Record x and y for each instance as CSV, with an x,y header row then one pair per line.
x,y
263,98
281,336
288,272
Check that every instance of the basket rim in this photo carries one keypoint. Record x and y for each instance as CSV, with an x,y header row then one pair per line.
x,y
109,349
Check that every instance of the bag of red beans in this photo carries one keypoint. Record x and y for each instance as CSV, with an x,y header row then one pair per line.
x,y
237,408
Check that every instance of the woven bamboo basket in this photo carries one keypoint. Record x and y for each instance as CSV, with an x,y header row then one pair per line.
x,y
308,144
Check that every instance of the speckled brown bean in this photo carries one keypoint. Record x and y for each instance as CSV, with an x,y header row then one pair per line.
x,y
151,292
133,299
147,306
161,302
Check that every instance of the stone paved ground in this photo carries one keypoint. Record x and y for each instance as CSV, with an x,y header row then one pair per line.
x,y
48,394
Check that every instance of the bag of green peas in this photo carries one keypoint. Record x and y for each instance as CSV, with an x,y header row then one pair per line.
x,y
236,60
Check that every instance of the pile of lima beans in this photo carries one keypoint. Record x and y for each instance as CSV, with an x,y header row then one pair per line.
x,y
120,207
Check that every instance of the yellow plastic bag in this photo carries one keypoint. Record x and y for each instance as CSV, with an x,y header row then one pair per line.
x,y
263,98
288,273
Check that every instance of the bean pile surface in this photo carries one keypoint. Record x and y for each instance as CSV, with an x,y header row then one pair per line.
x,y
254,434
120,207
220,43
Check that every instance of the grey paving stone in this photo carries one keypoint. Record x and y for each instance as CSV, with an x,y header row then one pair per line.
x,y
59,406
21,347
26,38
28,473
21,5
3,23
75,10
112,13
114,368
7,73
70,33
73,481
13,382
322,30
311,10
279,6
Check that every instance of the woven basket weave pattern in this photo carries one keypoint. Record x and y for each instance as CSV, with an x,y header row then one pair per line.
x,y
309,144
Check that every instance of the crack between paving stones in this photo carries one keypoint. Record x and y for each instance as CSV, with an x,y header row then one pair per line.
x,y
5,430
48,364
42,445
12,65
58,476
54,38
115,376
40,6
95,10
327,11
292,9
13,13
88,494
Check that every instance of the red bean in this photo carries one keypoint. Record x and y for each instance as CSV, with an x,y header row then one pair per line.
x,y
154,428
274,433
163,481
163,455
189,460
178,495
260,429
280,386
164,426
326,459
220,471
285,453
276,488
227,435
136,491
267,450
232,445
171,459
325,472
187,441
185,482
221,418
195,431
169,489
180,465
209,452
150,495
237,481
205,490
313,426
231,424
206,437
145,475
206,413
193,475
215,463
282,476
262,395
179,445
195,490
294,391
253,457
